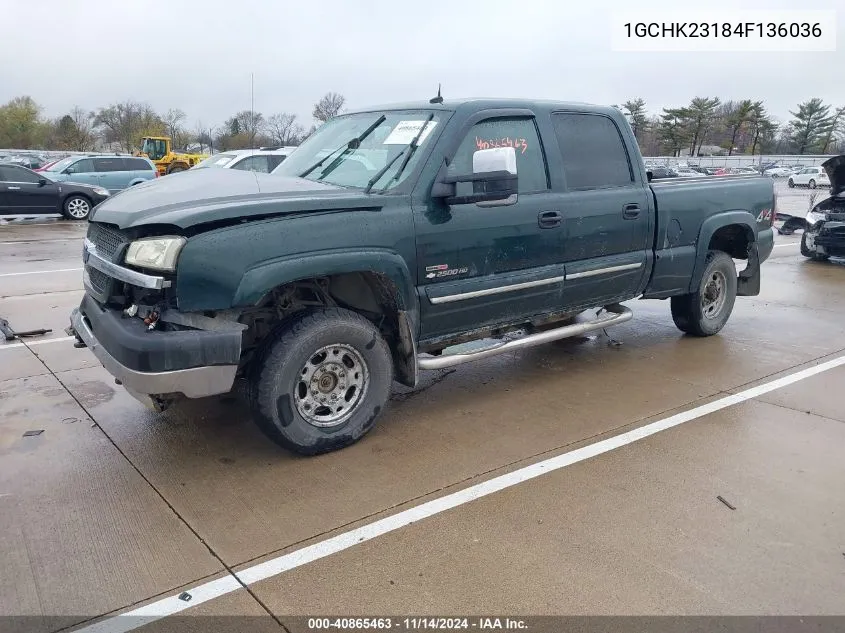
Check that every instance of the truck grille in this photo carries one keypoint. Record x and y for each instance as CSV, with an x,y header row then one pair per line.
x,y
110,243
107,240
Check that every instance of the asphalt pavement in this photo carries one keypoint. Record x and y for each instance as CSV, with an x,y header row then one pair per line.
x,y
663,475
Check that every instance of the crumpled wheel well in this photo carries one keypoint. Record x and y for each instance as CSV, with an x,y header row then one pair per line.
x,y
732,239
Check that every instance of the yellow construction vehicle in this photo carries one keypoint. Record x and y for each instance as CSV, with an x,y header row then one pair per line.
x,y
158,149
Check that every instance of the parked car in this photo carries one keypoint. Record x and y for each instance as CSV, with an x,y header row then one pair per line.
x,y
114,173
663,172
29,161
778,172
689,173
824,232
26,192
810,177
262,160
325,281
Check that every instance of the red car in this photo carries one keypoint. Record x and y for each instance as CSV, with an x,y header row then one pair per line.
x,y
46,165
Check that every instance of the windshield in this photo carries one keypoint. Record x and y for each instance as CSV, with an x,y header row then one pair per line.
x,y
355,167
218,160
57,167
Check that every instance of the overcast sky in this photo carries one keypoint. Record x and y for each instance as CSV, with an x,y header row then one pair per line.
x,y
197,55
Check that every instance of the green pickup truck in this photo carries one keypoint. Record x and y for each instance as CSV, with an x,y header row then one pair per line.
x,y
398,239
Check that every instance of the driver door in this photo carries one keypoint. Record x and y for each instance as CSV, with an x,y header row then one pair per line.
x,y
487,263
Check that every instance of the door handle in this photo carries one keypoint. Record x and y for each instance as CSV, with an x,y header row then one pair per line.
x,y
631,211
549,219
10,188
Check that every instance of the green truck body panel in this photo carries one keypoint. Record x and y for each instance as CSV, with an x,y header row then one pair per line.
x,y
249,233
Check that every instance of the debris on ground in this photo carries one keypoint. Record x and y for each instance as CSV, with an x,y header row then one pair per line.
x,y
33,433
10,335
727,503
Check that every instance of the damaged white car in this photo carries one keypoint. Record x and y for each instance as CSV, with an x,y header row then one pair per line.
x,y
824,233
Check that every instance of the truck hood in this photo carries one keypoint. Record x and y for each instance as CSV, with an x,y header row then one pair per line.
x,y
192,198
835,170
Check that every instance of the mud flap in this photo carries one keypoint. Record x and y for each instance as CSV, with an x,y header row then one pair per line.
x,y
748,281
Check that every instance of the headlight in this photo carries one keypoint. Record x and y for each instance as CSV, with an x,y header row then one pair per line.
x,y
100,191
813,217
159,253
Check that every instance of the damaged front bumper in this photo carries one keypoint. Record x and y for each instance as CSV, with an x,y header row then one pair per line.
x,y
157,366
826,238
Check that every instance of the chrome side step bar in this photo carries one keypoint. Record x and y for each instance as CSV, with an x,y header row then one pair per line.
x,y
616,314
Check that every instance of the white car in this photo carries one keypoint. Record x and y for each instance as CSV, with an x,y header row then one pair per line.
x,y
778,172
811,177
686,172
263,160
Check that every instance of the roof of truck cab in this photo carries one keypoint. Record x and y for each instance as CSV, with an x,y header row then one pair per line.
x,y
452,105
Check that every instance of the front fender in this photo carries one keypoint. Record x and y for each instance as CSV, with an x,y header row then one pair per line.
x,y
709,228
261,279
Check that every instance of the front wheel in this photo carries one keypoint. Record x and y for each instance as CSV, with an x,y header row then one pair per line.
x,y
76,207
791,184
322,382
705,311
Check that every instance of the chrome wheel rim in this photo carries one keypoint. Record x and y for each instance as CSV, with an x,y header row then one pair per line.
x,y
78,208
713,294
331,385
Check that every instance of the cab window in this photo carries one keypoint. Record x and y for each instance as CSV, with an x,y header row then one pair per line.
x,y
517,132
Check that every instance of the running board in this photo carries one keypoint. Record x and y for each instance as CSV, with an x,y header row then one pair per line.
x,y
616,314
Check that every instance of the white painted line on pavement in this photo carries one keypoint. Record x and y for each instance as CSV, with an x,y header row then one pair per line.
x,y
47,341
214,589
57,239
41,272
790,244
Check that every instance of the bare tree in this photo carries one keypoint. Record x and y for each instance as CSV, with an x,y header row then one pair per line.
x,y
173,120
125,123
328,106
283,129
204,136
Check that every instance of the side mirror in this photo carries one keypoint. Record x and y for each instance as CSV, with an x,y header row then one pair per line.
x,y
68,171
649,175
42,182
494,180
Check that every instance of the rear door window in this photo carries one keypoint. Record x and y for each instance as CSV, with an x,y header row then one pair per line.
x,y
253,163
137,164
109,164
594,155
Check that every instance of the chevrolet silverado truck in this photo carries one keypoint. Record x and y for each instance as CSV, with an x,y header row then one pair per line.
x,y
398,239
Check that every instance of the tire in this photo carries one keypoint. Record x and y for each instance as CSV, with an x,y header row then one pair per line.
x,y
806,252
176,169
76,207
791,184
812,184
690,312
301,415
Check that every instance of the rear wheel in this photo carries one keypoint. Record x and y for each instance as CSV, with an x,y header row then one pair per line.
x,y
176,168
76,207
791,183
322,381
812,184
705,311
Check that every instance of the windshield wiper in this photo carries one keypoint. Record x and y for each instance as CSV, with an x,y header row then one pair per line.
x,y
355,143
412,146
